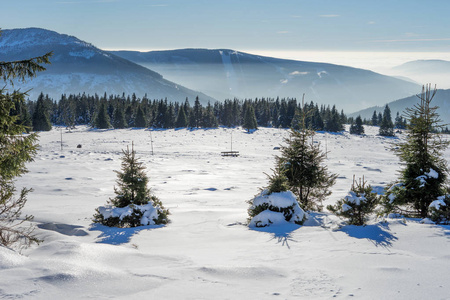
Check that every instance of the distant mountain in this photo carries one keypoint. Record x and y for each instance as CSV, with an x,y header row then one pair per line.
x,y
77,67
227,74
426,71
441,99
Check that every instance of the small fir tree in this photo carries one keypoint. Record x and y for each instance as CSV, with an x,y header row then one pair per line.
x,y
302,164
275,203
41,119
119,121
250,119
134,205
140,121
386,125
182,120
357,205
439,210
423,178
357,127
102,120
374,118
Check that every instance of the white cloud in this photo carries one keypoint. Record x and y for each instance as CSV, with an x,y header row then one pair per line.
x,y
329,16
411,40
298,73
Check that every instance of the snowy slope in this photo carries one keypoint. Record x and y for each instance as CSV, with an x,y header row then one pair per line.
x,y
77,67
441,100
426,71
225,73
207,252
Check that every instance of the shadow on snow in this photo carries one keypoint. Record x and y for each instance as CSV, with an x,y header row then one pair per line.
x,y
118,236
281,233
379,234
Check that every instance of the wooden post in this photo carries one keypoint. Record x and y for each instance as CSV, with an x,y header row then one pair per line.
x,y
232,141
151,141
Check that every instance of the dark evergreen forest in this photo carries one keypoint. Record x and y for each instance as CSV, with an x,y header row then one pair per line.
x,y
122,111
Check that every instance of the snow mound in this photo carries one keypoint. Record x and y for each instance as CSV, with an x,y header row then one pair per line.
x,y
282,199
149,213
280,209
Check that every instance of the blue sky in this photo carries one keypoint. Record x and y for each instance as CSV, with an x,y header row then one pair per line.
x,y
264,25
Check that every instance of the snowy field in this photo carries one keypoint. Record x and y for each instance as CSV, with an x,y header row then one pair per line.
x,y
207,251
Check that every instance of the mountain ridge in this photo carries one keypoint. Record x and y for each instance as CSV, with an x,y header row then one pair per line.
x,y
78,66
441,99
227,73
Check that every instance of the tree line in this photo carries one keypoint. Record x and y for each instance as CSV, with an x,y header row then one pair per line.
x,y
121,111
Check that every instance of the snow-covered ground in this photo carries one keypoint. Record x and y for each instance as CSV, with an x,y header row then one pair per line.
x,y
207,251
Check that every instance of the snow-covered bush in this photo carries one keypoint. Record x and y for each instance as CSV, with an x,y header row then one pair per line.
x,y
275,209
439,210
133,204
357,205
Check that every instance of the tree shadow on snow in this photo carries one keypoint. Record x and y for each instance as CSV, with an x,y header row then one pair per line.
x,y
379,234
118,236
281,233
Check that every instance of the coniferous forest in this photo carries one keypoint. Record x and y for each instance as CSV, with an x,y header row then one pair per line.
x,y
124,111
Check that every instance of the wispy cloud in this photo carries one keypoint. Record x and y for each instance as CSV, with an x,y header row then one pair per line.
x,y
411,40
329,16
371,22
86,2
282,32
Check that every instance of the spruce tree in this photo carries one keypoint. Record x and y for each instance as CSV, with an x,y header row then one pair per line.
x,y
357,127
374,118
140,121
423,178
16,149
182,120
119,121
41,120
209,119
132,191
357,206
250,119
102,119
386,125
197,114
302,164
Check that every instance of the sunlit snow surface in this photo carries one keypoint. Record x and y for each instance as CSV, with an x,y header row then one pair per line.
x,y
207,251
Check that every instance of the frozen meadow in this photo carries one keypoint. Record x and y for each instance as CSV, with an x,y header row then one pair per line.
x,y
207,251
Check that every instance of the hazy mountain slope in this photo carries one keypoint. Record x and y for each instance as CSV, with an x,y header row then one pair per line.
x,y
227,73
79,67
426,71
441,99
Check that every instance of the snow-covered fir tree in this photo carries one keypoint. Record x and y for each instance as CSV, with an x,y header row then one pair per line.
x,y
357,206
424,175
275,205
302,164
134,205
